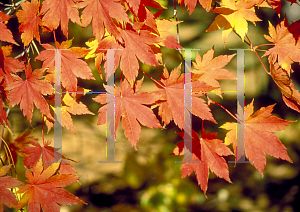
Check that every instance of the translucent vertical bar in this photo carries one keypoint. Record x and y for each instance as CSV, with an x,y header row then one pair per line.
x,y
240,88
110,115
57,110
188,145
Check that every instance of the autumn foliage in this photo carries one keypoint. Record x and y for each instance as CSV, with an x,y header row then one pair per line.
x,y
138,34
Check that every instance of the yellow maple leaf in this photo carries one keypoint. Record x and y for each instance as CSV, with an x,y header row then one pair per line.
x,y
234,15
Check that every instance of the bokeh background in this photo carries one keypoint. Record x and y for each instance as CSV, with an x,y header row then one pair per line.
x,y
149,179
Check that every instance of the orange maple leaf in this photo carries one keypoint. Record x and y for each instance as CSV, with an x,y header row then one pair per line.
x,y
171,87
286,50
191,4
129,105
259,137
211,69
137,46
290,94
101,12
234,15
8,65
134,46
7,197
72,107
72,67
163,26
30,20
5,34
59,12
208,151
43,189
48,153
30,91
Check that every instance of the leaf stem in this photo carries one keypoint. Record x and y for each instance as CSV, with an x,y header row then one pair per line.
x,y
266,44
216,103
261,61
154,80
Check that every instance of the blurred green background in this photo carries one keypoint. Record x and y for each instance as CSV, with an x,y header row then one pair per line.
x,y
149,179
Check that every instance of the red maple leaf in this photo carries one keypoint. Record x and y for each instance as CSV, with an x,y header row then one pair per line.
x,y
48,153
7,197
43,189
100,13
19,143
294,28
30,20
171,87
276,5
259,137
5,34
30,91
59,12
129,106
209,151
293,2
72,67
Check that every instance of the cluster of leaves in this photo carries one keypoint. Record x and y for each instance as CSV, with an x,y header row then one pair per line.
x,y
131,27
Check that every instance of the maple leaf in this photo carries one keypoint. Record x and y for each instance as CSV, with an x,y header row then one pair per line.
x,y
171,87
30,91
100,13
211,69
290,94
19,143
294,28
130,106
234,15
71,65
208,151
8,65
44,189
98,50
259,137
30,21
276,5
7,197
48,153
72,107
69,106
163,26
3,114
191,4
293,2
285,50
59,12
137,46
5,34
